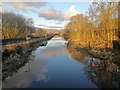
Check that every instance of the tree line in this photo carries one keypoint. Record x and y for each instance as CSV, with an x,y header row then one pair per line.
x,y
19,26
97,28
16,25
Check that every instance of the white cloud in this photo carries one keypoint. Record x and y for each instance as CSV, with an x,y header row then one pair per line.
x,y
21,6
25,6
72,11
53,14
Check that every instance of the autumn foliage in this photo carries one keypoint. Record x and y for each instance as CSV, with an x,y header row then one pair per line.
x,y
97,29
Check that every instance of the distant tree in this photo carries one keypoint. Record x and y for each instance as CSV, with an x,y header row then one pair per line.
x,y
15,25
40,32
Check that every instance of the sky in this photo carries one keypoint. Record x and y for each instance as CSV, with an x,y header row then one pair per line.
x,y
53,15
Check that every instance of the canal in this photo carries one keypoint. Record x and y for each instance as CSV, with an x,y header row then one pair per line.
x,y
58,66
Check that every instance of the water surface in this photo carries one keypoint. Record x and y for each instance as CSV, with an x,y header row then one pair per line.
x,y
56,66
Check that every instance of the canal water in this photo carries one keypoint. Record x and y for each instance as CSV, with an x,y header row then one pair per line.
x,y
58,66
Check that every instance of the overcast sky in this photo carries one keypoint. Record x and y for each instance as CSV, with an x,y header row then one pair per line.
x,y
47,14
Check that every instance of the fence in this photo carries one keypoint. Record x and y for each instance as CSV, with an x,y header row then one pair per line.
x,y
17,40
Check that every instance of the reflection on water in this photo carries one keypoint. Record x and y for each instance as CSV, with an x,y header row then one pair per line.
x,y
77,55
104,73
58,66
34,70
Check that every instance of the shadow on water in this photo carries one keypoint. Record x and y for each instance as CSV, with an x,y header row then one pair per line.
x,y
103,73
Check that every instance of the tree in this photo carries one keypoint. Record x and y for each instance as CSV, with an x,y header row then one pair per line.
x,y
104,16
98,28
78,29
